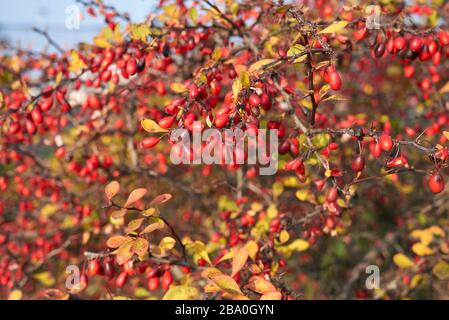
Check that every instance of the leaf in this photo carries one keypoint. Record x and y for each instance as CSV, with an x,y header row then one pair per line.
x,y
140,32
225,283
260,285
421,249
299,245
56,294
149,212
118,214
125,252
161,199
239,260
259,65
76,64
181,293
272,296
58,79
178,88
445,88
236,88
441,270
253,249
135,196
135,224
45,278
167,243
335,27
151,126
15,295
159,224
244,79
284,236
402,261
112,189
117,241
335,97
140,247
193,14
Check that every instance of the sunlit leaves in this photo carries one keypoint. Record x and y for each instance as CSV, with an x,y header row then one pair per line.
x,y
225,283
167,243
178,87
441,270
335,27
140,32
112,189
240,258
117,241
153,226
152,127
260,285
108,37
135,224
402,261
135,196
181,293
15,295
76,63
160,199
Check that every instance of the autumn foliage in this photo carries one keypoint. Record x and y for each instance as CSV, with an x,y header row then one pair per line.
x,y
359,94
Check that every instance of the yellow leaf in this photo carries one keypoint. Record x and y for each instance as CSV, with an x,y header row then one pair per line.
x,y
158,224
167,243
151,126
335,27
149,212
76,64
299,245
253,248
259,65
441,270
240,258
140,247
284,236
135,224
193,14
402,261
181,293
244,79
45,278
118,214
236,88
140,32
58,79
226,283
15,295
421,249
178,87
227,256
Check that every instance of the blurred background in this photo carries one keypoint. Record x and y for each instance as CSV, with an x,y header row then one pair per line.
x,y
18,17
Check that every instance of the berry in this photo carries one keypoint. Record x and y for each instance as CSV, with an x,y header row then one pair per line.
x,y
436,183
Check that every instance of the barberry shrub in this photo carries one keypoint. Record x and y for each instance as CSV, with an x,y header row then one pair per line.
x,y
358,94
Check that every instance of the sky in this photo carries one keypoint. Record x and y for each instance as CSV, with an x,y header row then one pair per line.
x,y
18,17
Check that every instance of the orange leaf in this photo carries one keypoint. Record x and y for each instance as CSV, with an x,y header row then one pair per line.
x,y
260,285
152,227
160,199
112,189
240,258
135,196
116,241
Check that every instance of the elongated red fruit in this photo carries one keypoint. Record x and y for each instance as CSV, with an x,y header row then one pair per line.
x,y
150,142
335,81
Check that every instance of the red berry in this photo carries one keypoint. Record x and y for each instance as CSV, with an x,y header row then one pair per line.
x,y
385,142
167,280
153,283
254,100
131,67
436,183
335,81
121,279
150,142
93,267
358,164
